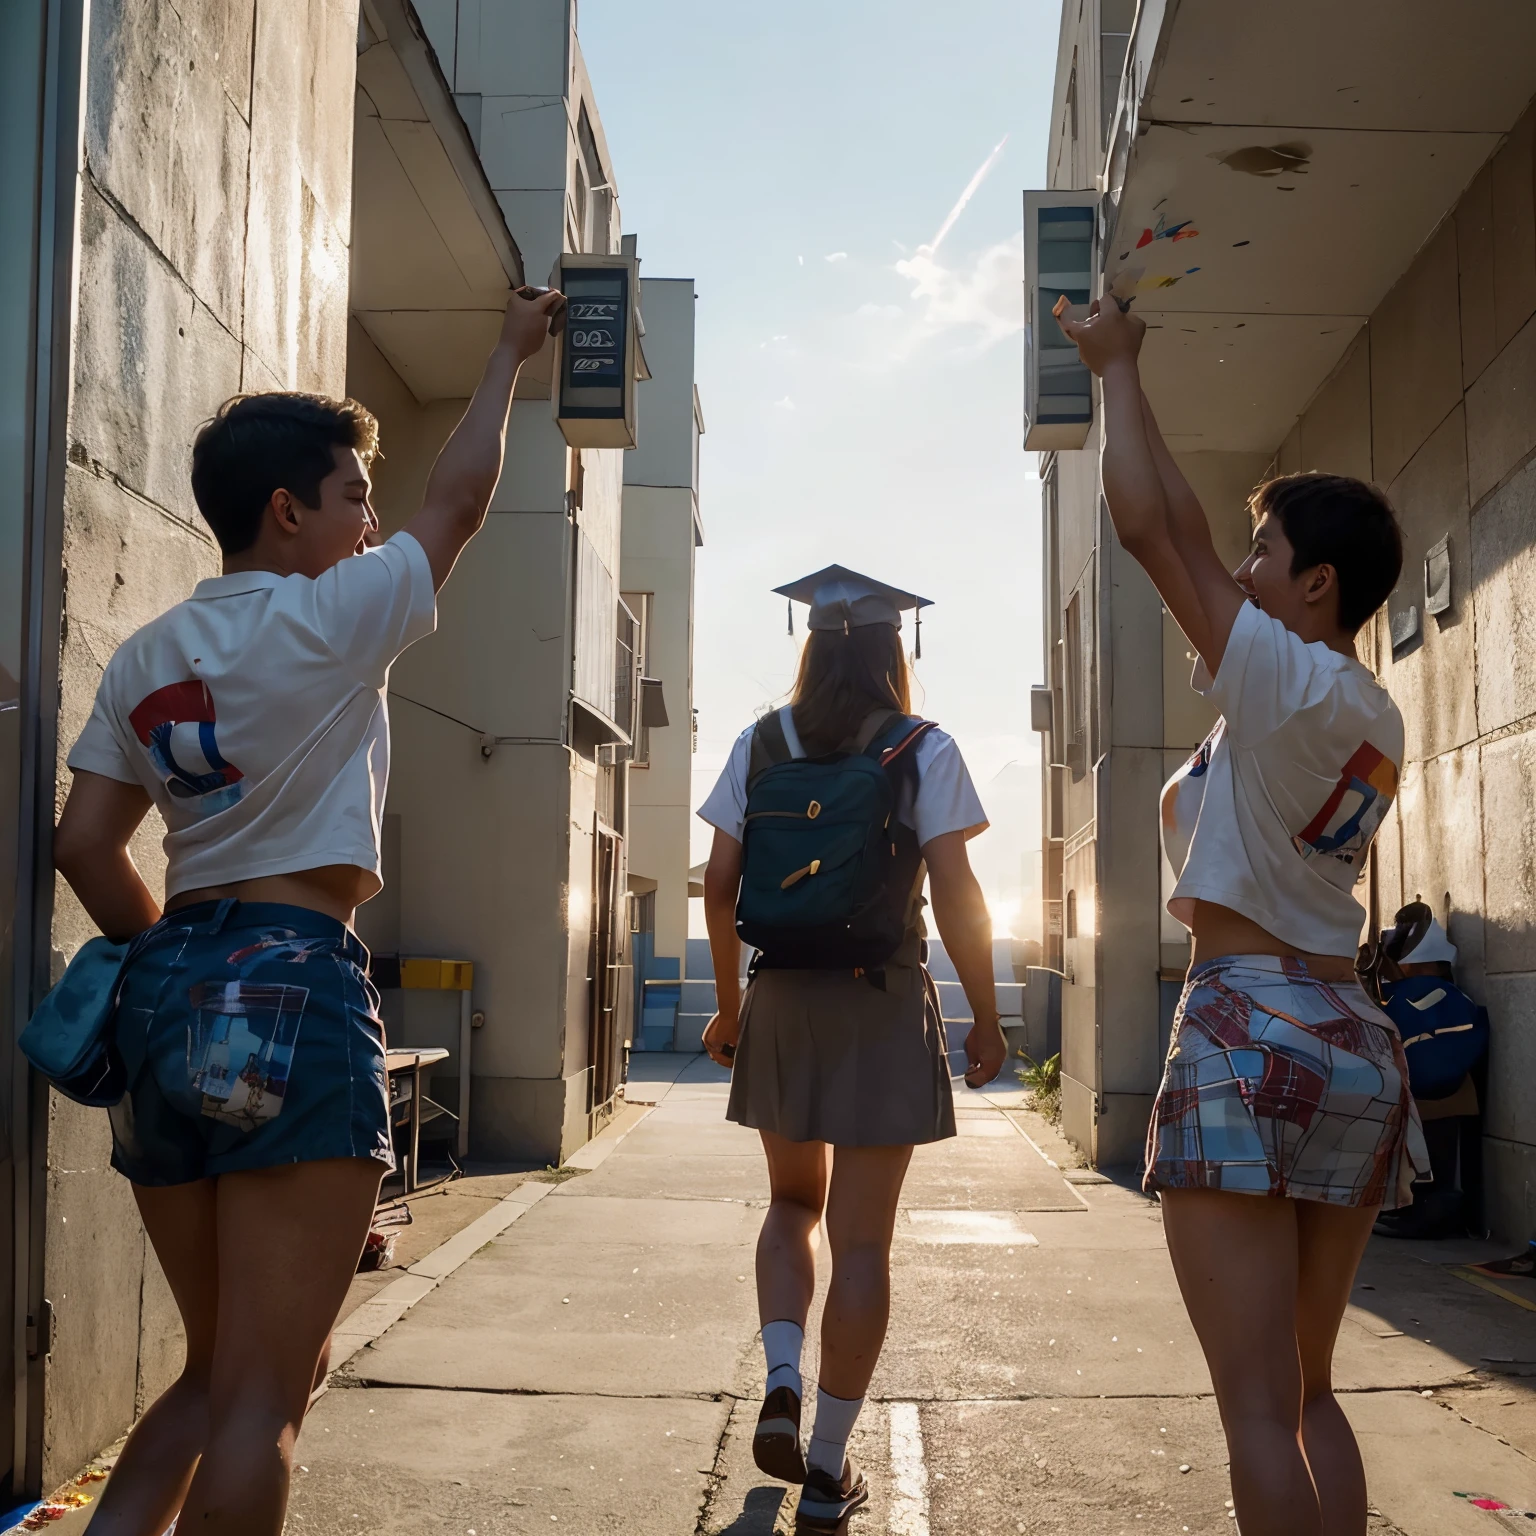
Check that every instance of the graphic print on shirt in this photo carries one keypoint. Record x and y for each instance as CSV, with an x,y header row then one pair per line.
x,y
1342,830
1182,796
175,725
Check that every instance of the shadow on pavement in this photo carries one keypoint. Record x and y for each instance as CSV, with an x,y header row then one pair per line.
x,y
759,1513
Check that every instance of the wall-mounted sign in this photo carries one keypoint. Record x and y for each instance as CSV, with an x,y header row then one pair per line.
x,y
598,357
1060,258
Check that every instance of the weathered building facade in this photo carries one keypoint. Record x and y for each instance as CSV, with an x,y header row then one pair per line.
x,y
186,219
178,212
1331,235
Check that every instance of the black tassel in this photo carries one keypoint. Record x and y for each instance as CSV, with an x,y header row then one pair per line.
x,y
917,654
789,611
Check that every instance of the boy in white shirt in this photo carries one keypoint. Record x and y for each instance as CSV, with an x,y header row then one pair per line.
x,y
255,1128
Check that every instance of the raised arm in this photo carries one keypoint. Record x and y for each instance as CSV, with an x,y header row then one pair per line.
x,y
1156,514
464,477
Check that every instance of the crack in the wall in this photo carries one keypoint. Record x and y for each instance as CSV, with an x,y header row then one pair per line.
x,y
137,229
80,457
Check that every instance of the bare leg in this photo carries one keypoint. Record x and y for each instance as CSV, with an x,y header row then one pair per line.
x,y
151,1477
1236,1260
288,1244
1332,1239
786,1247
861,1218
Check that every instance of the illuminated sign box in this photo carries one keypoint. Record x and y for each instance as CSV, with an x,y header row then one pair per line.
x,y
598,355
1060,258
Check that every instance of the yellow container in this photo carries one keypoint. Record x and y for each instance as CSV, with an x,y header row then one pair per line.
x,y
438,975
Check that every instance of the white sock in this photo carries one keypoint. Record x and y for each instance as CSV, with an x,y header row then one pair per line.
x,y
835,1418
783,1342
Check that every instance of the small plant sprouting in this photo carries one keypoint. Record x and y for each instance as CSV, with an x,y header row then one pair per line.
x,y
1043,1079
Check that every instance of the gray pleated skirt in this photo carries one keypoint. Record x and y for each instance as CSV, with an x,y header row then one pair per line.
x,y
827,1056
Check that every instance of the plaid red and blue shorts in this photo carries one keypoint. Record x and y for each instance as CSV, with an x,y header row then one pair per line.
x,y
1279,1083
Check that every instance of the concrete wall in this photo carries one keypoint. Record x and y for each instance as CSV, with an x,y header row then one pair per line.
x,y
487,856
214,218
662,530
1435,403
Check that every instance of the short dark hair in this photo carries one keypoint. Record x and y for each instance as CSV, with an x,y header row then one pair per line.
x,y
258,444
1339,521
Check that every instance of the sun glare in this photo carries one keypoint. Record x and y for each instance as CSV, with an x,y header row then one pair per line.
x,y
1004,912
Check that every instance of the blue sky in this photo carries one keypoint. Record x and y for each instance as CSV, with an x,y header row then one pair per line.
x,y
861,388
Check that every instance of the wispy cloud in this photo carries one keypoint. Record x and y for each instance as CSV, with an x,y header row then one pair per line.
x,y
786,404
984,296
836,256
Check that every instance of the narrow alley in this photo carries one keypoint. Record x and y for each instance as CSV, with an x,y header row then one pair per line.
x,y
584,1356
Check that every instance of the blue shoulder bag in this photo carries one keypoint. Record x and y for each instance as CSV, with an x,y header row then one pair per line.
x,y
70,1038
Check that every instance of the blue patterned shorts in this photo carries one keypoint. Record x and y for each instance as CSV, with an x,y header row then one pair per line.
x,y
1278,1083
251,1036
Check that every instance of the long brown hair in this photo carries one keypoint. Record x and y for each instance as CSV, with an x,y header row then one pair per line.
x,y
844,676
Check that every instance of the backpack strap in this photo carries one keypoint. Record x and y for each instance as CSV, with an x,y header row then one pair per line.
x,y
875,725
915,731
769,746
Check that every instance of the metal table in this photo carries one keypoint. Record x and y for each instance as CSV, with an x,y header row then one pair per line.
x,y
405,1069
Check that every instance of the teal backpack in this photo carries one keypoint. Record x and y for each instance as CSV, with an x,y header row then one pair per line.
x,y
828,872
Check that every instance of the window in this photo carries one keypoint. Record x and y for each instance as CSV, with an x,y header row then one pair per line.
x,y
1077,676
1075,644
639,604
626,668
1071,915
594,207
1071,124
577,229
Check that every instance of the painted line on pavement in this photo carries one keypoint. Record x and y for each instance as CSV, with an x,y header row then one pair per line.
x,y
909,1507
376,1316
1485,1284
1076,1195
602,1146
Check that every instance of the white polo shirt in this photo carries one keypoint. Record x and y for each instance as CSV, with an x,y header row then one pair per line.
x,y
946,800
254,714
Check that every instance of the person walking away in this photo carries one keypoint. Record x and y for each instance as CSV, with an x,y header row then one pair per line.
x,y
255,1127
826,817
1284,1121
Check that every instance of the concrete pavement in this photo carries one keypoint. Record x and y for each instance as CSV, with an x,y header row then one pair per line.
x,y
595,1366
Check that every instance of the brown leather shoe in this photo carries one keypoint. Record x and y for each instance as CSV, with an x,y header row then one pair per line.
x,y
827,1503
776,1441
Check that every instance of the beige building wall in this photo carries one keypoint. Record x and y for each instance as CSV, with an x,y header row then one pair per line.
x,y
1434,399
214,217
663,530
495,789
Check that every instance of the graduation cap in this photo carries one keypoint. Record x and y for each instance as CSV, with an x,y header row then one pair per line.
x,y
844,599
